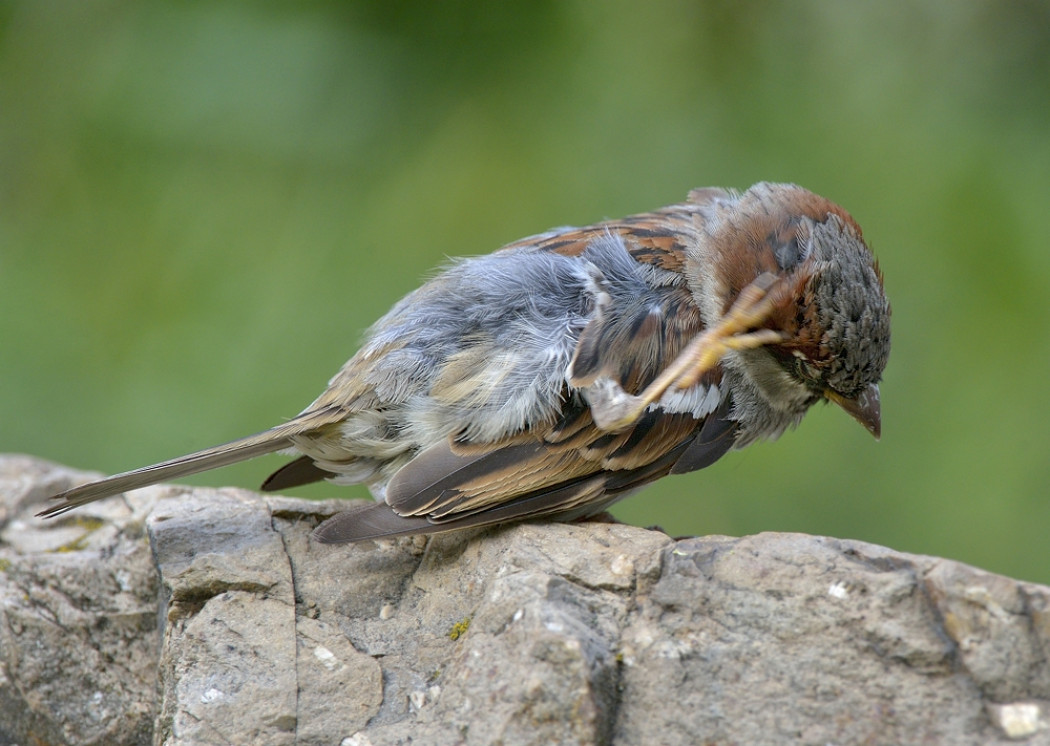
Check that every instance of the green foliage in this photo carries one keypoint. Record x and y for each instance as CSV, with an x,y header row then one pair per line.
x,y
203,205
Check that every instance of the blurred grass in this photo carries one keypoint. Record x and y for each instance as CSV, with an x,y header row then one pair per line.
x,y
203,205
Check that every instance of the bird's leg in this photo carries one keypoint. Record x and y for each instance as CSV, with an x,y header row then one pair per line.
x,y
751,308
614,409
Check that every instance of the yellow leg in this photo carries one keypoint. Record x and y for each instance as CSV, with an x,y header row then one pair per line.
x,y
614,409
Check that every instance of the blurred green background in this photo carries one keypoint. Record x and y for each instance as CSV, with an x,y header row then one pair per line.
x,y
204,204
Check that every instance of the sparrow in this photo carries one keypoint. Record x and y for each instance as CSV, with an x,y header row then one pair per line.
x,y
566,370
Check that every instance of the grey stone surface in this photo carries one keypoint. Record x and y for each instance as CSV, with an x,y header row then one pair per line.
x,y
78,616
198,616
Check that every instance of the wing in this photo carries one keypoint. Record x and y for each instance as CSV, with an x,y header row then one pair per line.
x,y
643,316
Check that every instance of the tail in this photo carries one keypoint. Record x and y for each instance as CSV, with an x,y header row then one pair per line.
x,y
268,441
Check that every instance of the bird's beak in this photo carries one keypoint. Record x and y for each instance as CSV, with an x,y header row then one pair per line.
x,y
864,407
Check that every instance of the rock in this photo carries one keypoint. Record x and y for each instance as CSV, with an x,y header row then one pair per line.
x,y
78,616
178,615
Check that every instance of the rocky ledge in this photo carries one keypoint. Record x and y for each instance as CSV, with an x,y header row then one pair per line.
x,y
184,615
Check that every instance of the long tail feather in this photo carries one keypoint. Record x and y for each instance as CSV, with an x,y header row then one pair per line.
x,y
242,449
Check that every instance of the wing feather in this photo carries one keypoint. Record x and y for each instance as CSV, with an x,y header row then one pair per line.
x,y
568,466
